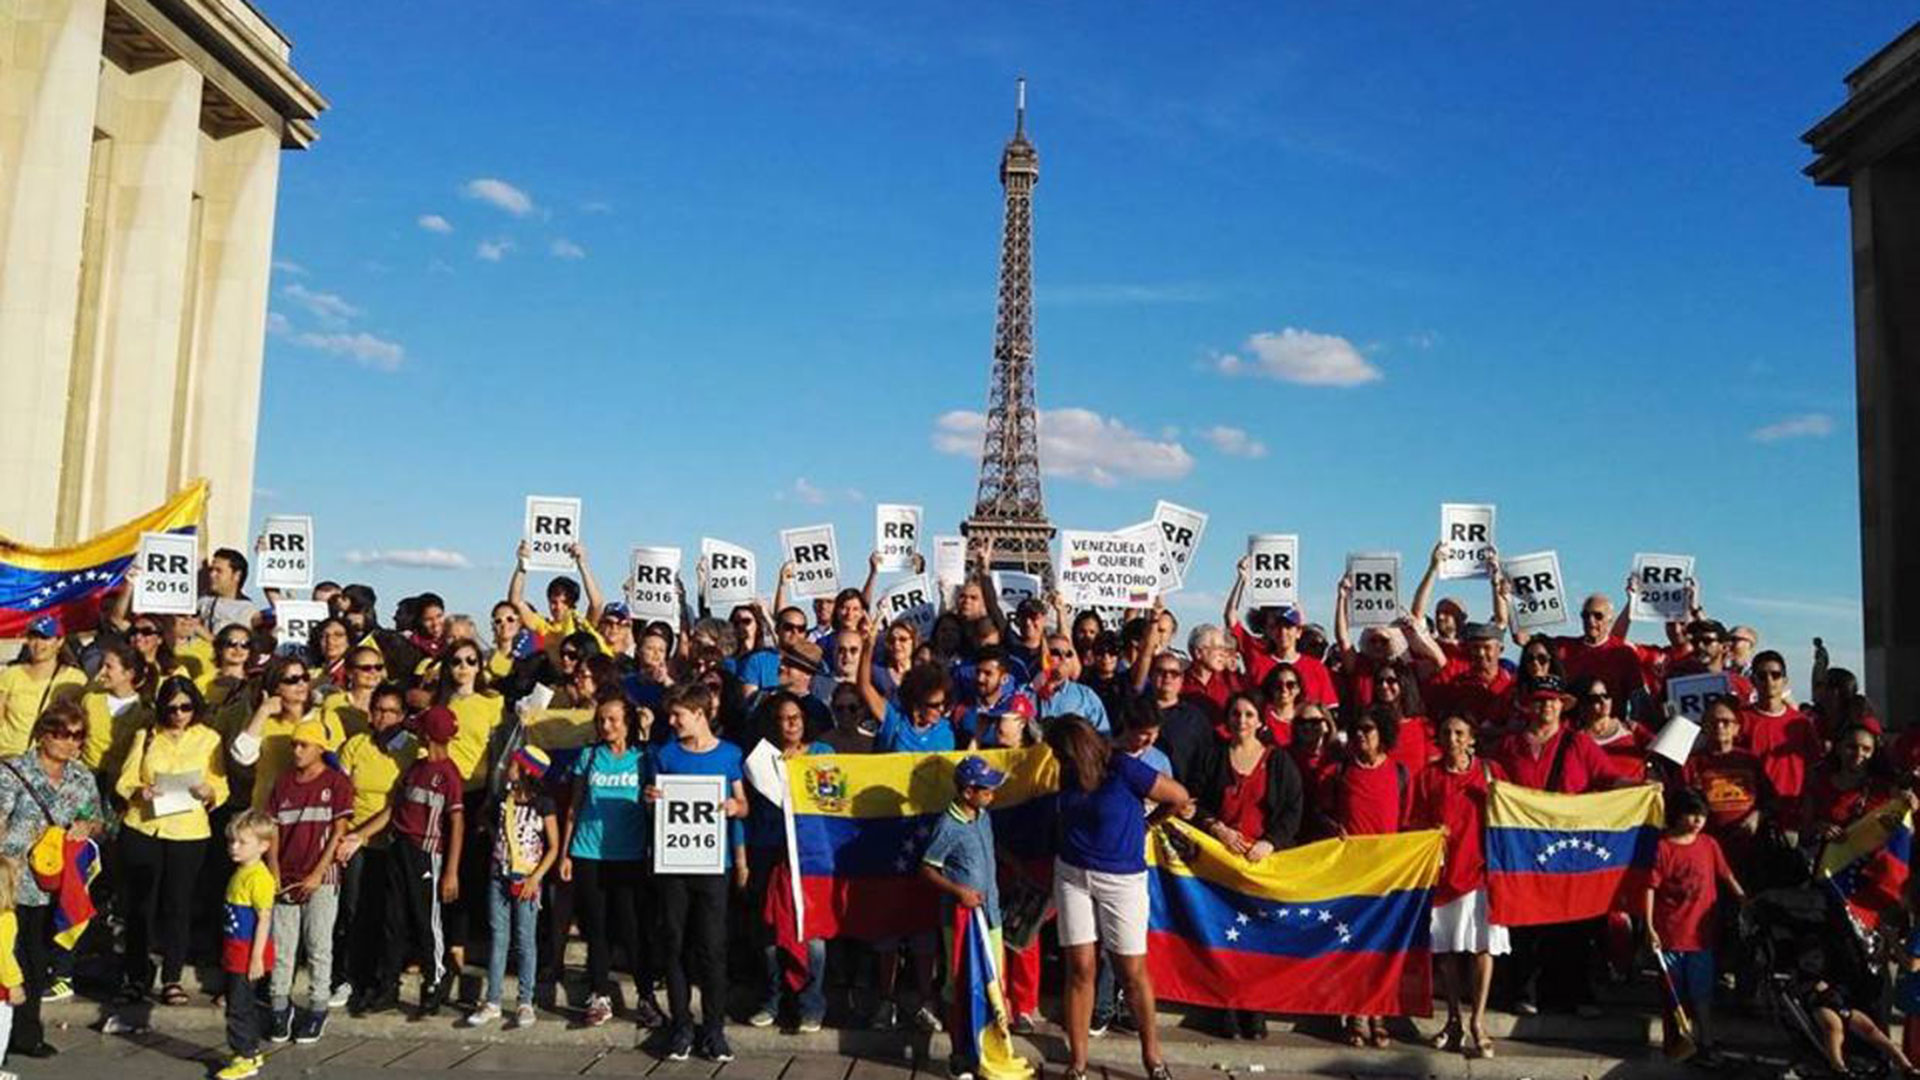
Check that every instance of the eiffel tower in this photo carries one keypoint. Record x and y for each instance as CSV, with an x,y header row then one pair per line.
x,y
1009,511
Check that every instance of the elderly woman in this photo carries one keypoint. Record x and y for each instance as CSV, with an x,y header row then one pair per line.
x,y
46,786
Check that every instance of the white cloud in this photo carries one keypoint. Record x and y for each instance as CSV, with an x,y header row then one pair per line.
x,y
1827,607
1301,356
493,250
434,223
562,248
277,323
1233,441
501,194
1805,426
288,266
265,494
1077,444
411,558
809,493
328,307
360,347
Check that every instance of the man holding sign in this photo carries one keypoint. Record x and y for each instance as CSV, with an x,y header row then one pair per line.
x,y
285,552
815,559
553,529
1279,642
1467,548
896,536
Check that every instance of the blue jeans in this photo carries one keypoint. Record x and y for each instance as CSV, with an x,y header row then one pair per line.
x,y
512,920
813,996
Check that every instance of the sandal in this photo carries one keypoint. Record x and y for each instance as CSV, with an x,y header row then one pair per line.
x,y
1356,1033
174,994
1378,1034
1482,1043
1449,1037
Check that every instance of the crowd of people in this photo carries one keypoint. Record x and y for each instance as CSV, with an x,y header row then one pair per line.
x,y
429,790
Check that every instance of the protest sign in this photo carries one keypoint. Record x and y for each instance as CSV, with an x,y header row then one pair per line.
x,y
1661,587
1676,740
1688,695
169,570
896,535
285,558
1149,532
294,620
653,583
1537,591
1273,569
1375,597
1466,538
949,564
1181,530
731,574
1013,586
913,600
816,561
1103,569
553,527
689,829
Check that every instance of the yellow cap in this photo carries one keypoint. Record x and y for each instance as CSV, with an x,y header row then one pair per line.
x,y
312,731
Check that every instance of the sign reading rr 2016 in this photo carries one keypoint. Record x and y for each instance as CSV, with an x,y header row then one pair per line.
x,y
1374,583
553,528
169,566
690,825
285,557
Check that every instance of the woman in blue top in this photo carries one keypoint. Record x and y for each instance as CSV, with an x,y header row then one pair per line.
x,y
783,725
1100,877
604,853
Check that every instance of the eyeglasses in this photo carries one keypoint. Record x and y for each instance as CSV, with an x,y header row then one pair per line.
x,y
793,628
68,734
295,677
235,643
1291,684
178,707
1539,658
1599,695
1704,639
373,667
1596,616
463,660
1060,654
144,631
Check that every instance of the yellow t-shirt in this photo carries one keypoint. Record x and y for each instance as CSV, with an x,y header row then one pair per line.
x,y
197,748
249,901
110,734
276,751
22,697
499,664
338,711
553,633
375,771
478,714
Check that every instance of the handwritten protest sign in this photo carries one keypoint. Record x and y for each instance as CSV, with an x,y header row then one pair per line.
x,y
816,561
1466,537
553,527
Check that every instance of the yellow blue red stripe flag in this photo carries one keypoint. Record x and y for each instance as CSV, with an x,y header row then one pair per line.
x,y
1867,866
69,582
985,1039
1338,926
1560,858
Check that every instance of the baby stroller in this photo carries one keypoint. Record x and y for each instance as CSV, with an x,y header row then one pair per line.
x,y
1806,952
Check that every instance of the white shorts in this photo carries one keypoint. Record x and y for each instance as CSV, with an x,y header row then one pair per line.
x,y
1108,908
1461,926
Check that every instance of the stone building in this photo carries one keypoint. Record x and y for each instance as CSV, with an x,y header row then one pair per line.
x,y
140,150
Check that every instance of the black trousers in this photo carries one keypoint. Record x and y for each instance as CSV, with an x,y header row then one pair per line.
x,y
1558,957
158,878
607,898
468,912
693,942
243,1013
360,930
413,915
34,949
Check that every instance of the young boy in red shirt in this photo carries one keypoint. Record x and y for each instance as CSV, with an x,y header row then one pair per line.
x,y
1688,870
423,867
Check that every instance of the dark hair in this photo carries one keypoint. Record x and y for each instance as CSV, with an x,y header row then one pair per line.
x,y
566,588
627,711
996,654
137,667
319,631
604,670
1081,751
59,716
582,642
1873,763
1089,615
693,697
769,709
171,686
1385,719
1773,655
1252,698
1270,683
1107,641
1685,801
444,686
362,598
385,689
420,605
145,675
1141,714
235,561
276,669
921,682
1134,630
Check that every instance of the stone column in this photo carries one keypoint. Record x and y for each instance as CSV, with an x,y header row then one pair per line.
x,y
49,76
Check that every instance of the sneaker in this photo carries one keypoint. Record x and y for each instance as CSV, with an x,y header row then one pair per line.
x,y
58,990
1159,1071
310,1028
1098,1025
280,1024
717,1048
342,996
524,1016
809,1025
435,996
482,1016
928,1021
646,1013
884,1018
240,1067
680,1044
1026,1024
599,1010
959,1069
1523,1007
761,1019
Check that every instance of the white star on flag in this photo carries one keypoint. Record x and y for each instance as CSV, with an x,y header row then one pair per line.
x,y
1241,918
1326,916
1233,933
1341,929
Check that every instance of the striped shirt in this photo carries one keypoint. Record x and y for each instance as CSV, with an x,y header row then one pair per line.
x,y
307,813
428,793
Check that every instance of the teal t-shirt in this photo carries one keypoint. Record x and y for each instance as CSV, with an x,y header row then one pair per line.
x,y
612,824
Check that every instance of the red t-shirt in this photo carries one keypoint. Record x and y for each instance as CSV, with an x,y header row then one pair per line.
x,y
1316,685
1414,747
1242,801
1317,771
1458,690
306,813
1585,769
1685,883
1787,745
1734,785
1826,803
1614,661
1368,801
1210,697
428,794
1626,750
1459,802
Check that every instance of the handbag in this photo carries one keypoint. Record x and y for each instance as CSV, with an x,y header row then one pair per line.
x,y
47,855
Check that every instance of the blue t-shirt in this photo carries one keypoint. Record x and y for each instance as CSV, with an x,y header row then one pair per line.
x,y
767,823
1079,700
1156,758
612,823
760,668
898,735
724,759
1103,829
962,850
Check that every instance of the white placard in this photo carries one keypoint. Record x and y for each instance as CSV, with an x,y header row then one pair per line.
x,y
169,574
914,600
1103,569
1537,594
1273,569
1014,586
816,561
1375,599
689,825
1660,585
553,527
285,557
294,620
1466,540
653,583
731,574
173,793
1689,694
896,535
949,564
1149,532
1181,529
1676,740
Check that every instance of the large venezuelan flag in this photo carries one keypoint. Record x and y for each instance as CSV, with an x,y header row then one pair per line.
x,y
861,821
1867,866
69,582
1559,858
1338,926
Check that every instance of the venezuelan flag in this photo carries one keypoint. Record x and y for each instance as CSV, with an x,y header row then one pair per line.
x,y
1558,858
69,582
985,1040
1338,926
73,905
1867,866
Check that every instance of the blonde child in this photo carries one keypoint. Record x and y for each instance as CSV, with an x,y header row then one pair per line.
x,y
246,953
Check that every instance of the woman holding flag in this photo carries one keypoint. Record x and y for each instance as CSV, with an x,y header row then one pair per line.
x,y
1451,795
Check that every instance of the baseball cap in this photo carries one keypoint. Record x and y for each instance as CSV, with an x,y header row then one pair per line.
x,y
975,772
313,732
437,724
1286,615
1018,705
44,626
533,761
1546,687
617,611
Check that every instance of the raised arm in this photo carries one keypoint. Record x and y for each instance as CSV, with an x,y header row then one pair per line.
x,y
1424,592
1623,622
873,572
780,586
1502,594
1142,672
517,587
1230,613
1428,657
596,601
863,678
1342,625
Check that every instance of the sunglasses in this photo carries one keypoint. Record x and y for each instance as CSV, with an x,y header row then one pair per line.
x,y
569,654
235,643
373,667
934,705
1060,654
1594,615
179,707
293,677
793,628
744,621
144,631
463,660
70,734
1388,680
1294,684
1539,658
1704,639
1168,673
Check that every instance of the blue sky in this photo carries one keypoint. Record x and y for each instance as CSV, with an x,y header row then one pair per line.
x,y
720,268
